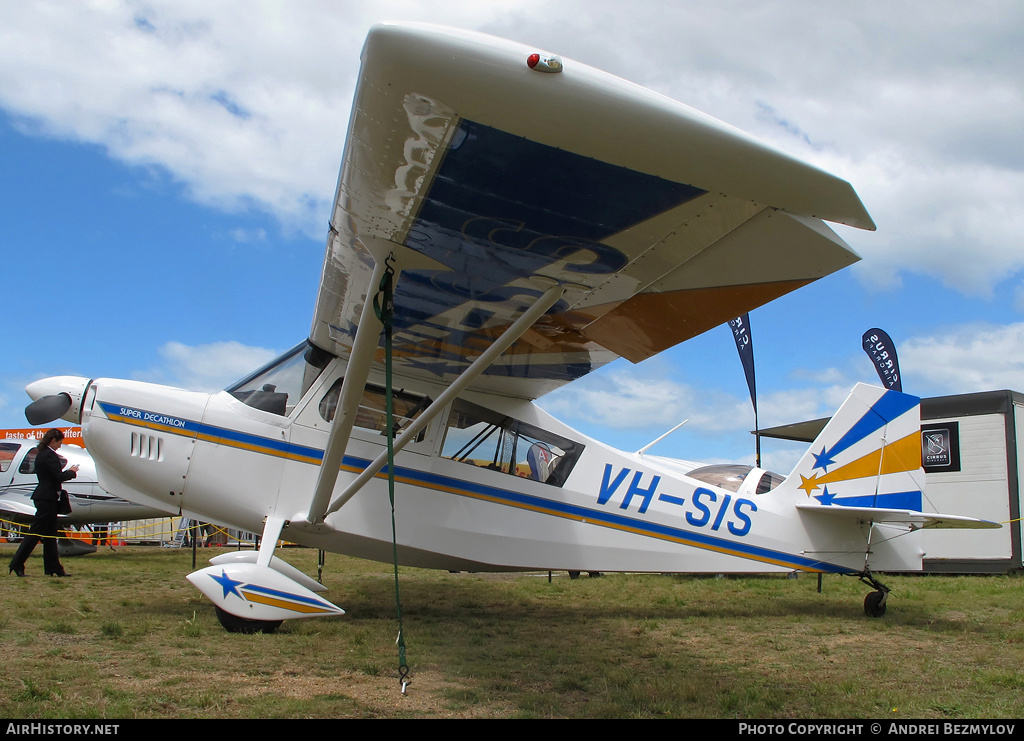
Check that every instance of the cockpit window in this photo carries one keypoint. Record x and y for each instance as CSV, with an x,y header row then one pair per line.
x,y
278,386
485,438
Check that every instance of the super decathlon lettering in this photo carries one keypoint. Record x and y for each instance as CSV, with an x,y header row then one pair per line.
x,y
701,512
151,417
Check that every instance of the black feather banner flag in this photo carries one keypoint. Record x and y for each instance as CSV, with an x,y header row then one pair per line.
x,y
882,351
740,327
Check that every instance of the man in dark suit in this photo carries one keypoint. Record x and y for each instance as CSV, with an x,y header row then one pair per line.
x,y
49,470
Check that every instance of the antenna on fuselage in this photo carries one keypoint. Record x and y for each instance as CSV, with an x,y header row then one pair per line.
x,y
655,442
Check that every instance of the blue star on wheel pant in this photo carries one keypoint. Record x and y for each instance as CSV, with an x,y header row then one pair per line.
x,y
229,585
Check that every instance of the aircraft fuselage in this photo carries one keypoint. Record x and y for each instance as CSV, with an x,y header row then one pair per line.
x,y
468,495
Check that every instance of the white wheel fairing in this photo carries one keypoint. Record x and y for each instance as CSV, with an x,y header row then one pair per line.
x,y
275,563
259,593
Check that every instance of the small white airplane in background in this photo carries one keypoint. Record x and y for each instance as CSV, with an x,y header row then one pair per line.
x,y
90,504
536,219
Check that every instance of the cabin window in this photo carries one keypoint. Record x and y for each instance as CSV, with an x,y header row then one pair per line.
x,y
28,463
278,386
769,480
487,439
372,415
7,453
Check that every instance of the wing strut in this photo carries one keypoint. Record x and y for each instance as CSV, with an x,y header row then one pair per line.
x,y
510,335
364,347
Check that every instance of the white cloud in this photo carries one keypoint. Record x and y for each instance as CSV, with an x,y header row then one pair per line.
x,y
247,104
244,104
645,399
209,367
648,398
821,376
248,236
967,358
238,104
953,221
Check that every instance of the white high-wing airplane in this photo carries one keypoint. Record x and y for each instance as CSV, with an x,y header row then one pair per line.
x,y
90,504
534,218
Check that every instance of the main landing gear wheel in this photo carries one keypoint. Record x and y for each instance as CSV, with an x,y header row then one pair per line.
x,y
874,604
235,624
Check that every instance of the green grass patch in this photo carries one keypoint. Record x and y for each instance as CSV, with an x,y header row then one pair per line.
x,y
128,637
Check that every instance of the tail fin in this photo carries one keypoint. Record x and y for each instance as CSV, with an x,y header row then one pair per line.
x,y
868,455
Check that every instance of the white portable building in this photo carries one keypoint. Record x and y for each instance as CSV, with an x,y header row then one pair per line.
x,y
971,448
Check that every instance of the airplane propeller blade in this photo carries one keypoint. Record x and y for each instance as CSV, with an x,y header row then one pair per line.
x,y
47,408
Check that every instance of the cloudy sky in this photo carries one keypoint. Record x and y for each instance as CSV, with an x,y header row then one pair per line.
x,y
166,171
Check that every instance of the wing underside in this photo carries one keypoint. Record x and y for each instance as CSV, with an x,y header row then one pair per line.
x,y
492,182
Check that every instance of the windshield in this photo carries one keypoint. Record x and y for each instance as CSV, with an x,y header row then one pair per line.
x,y
278,386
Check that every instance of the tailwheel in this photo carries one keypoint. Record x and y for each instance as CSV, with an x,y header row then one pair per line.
x,y
874,604
235,624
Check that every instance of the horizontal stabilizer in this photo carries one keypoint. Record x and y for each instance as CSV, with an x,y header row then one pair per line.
x,y
913,520
255,592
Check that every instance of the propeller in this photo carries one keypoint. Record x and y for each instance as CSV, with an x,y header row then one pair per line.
x,y
47,408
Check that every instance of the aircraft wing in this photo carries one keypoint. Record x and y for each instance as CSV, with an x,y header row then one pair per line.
x,y
911,518
492,181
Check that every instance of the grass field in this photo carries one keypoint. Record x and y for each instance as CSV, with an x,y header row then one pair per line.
x,y
128,637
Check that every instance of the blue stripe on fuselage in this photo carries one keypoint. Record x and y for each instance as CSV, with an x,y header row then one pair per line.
x,y
507,497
